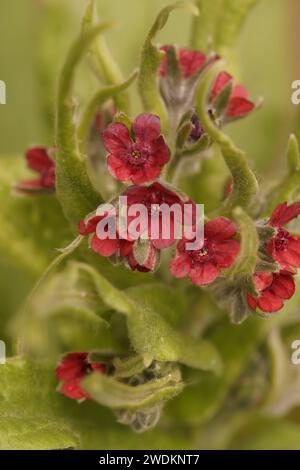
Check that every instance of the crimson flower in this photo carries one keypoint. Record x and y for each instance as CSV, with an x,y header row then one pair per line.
x,y
138,157
273,289
105,247
158,199
71,370
284,247
190,61
238,104
40,161
219,251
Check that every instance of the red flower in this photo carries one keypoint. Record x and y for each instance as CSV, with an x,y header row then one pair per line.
x,y
153,197
105,247
190,61
273,290
40,161
219,251
238,104
138,158
284,247
71,370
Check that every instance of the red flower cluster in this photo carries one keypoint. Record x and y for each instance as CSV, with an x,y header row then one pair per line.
x,y
137,157
284,248
219,251
238,104
39,160
155,197
71,370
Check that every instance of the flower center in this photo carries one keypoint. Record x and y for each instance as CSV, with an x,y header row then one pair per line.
x,y
200,256
281,239
136,154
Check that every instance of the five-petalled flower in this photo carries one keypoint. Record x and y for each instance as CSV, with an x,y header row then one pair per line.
x,y
73,367
219,251
137,156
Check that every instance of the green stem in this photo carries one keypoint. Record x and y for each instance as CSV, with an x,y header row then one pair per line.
x,y
102,60
74,189
245,185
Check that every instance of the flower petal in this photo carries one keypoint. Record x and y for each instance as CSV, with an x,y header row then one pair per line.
x,y
240,91
116,138
239,107
180,266
283,214
203,273
269,302
38,159
219,228
221,81
107,247
225,252
252,302
152,172
283,286
146,127
191,61
118,168
72,389
71,366
262,280
160,152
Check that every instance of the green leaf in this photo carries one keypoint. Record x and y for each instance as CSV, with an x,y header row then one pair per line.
x,y
39,215
126,368
169,302
151,334
245,186
74,188
65,313
102,60
27,421
109,392
96,102
150,61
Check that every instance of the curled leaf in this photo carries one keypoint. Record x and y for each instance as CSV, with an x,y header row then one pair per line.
x,y
150,61
109,392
